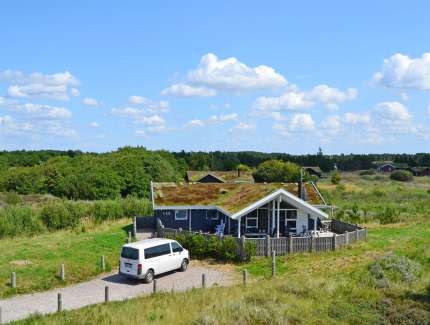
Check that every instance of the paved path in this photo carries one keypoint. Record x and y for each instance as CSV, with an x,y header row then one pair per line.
x,y
92,292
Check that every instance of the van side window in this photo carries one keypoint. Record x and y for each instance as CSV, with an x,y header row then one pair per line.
x,y
176,247
157,251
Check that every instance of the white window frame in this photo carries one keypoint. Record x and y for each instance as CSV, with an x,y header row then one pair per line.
x,y
253,218
216,217
176,215
286,219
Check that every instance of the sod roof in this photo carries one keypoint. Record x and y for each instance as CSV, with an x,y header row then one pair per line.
x,y
225,176
231,197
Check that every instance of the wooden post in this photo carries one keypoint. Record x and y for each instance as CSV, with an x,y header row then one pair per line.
x,y
310,244
333,242
107,294
135,227
267,245
245,277
59,302
13,280
129,237
203,280
103,263
346,238
313,244
290,245
273,263
356,235
242,248
154,286
62,272
365,234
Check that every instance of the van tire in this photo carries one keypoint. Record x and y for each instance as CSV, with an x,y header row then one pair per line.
x,y
184,265
149,276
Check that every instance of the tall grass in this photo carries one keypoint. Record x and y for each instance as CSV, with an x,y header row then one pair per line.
x,y
18,220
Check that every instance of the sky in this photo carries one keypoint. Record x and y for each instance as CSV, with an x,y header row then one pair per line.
x,y
272,76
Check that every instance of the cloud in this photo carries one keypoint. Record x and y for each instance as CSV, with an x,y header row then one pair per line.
x,y
428,110
401,71
301,122
91,102
356,118
94,125
38,85
43,111
393,112
137,100
184,90
214,119
213,75
75,92
152,120
294,98
138,116
244,126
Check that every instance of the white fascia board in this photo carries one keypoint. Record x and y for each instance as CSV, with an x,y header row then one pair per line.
x,y
290,198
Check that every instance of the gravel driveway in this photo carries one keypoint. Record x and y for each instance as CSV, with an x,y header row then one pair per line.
x,y
92,292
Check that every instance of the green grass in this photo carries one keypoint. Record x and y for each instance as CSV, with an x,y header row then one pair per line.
x,y
79,251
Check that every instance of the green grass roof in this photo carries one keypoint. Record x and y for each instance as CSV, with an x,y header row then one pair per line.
x,y
229,196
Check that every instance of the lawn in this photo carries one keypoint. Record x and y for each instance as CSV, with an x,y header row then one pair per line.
x,y
79,251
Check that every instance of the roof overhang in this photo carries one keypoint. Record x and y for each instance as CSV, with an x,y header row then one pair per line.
x,y
285,196
191,207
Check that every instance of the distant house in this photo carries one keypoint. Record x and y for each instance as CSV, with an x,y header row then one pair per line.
x,y
388,167
313,171
254,210
219,177
420,171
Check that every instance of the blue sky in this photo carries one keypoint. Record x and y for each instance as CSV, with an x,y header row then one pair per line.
x,y
227,75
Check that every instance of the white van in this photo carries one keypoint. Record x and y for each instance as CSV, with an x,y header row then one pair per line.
x,y
146,258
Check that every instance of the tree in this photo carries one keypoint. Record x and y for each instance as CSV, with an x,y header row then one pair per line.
x,y
277,171
335,178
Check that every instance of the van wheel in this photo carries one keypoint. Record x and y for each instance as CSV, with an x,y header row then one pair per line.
x,y
184,265
149,277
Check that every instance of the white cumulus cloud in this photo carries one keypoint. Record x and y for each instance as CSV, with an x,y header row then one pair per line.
x,y
356,118
43,111
401,71
91,102
94,125
137,100
184,90
301,122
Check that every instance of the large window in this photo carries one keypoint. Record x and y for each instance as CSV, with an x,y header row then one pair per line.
x,y
130,253
157,251
251,222
176,247
291,220
181,214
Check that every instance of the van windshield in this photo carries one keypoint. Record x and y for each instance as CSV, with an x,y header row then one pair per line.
x,y
130,253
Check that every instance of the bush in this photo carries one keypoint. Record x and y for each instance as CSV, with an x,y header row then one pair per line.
x,y
56,216
335,178
12,198
367,172
402,176
277,171
394,269
19,220
389,215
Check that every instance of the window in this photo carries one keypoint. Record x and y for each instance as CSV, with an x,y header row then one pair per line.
x,y
157,251
176,247
181,214
291,220
251,222
215,215
130,253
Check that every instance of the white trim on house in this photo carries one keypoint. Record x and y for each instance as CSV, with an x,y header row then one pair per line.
x,y
289,198
181,218
251,218
191,207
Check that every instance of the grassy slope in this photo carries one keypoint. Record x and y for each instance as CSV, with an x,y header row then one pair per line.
x,y
331,288
79,251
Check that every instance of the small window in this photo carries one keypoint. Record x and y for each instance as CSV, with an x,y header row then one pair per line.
x,y
156,251
176,247
215,215
181,214
251,222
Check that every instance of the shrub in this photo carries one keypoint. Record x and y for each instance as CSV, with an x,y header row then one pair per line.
x,y
19,220
335,178
402,176
367,172
132,206
389,215
12,198
55,215
277,171
106,210
394,269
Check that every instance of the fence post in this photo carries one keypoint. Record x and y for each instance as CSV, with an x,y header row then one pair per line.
x,y
268,245
59,302
129,237
346,238
365,234
290,245
356,235
203,280
309,244
154,286
62,272
245,277
103,263
107,294
242,247
135,227
313,244
273,263
333,242
13,280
